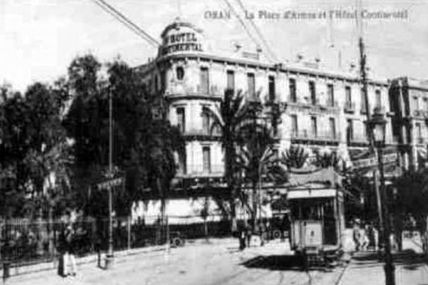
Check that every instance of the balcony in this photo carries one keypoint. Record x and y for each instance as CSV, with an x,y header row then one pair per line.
x,y
315,106
357,140
198,171
180,91
331,104
421,114
421,140
349,107
318,138
201,134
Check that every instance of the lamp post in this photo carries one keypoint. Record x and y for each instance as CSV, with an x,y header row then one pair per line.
x,y
109,256
377,125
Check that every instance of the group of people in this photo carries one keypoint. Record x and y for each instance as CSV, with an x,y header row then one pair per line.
x,y
245,233
365,236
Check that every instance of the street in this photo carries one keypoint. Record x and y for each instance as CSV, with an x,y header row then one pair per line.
x,y
216,262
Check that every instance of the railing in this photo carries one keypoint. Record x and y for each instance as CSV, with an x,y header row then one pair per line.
x,y
319,136
202,133
332,104
357,138
420,113
349,107
179,89
198,170
25,242
316,105
420,140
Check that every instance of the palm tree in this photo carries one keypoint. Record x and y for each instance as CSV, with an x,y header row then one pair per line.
x,y
294,157
228,117
256,158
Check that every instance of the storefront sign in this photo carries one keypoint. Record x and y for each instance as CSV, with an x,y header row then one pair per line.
x,y
181,42
372,161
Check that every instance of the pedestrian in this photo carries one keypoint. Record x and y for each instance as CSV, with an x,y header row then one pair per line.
x,y
364,242
262,228
356,234
241,236
249,235
68,248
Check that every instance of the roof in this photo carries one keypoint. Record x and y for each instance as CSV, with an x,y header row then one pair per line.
x,y
179,23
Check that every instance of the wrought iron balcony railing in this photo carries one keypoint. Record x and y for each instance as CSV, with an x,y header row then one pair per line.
x,y
318,136
349,107
201,170
177,90
202,133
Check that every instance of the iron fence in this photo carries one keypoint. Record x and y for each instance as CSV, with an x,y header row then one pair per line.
x,y
25,242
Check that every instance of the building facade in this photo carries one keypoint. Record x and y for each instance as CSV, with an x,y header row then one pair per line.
x,y
320,109
409,102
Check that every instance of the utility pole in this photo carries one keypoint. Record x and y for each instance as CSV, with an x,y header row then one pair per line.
x,y
363,74
380,193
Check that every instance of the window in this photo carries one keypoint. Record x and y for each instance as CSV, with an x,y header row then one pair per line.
x,y
292,87
294,126
425,104
251,85
230,79
418,133
206,156
348,97
349,130
332,125
312,92
205,80
271,88
314,127
182,163
363,102
416,103
330,94
206,122
163,80
179,72
378,98
181,121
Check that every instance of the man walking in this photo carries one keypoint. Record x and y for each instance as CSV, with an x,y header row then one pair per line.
x,y
68,248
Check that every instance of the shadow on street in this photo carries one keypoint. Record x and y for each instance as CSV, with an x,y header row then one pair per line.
x,y
408,258
275,262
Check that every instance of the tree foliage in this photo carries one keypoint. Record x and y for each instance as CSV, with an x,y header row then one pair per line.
x,y
142,147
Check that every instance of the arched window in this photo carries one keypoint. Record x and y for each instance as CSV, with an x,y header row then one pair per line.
x,y
179,72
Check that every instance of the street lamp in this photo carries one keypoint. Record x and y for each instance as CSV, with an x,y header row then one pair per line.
x,y
377,125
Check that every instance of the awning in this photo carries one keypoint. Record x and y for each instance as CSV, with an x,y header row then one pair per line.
x,y
323,175
311,193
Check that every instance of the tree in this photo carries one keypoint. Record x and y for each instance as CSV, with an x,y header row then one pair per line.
x,y
294,157
143,148
163,141
229,116
409,200
256,159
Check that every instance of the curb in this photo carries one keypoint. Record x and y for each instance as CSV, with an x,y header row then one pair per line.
x,y
93,258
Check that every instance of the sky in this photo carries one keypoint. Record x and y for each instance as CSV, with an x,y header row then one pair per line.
x,y
39,38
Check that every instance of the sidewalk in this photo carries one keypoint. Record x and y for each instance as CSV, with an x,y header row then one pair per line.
x,y
149,259
365,268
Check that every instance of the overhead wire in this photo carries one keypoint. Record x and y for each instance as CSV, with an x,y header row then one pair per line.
x,y
127,22
243,24
259,33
